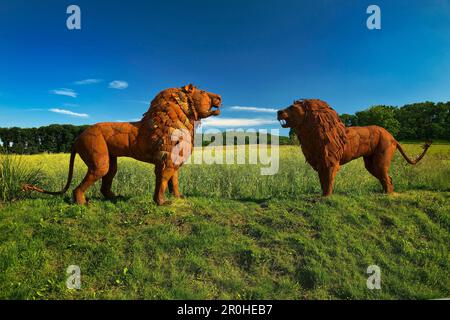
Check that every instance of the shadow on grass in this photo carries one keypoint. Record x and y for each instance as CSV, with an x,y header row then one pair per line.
x,y
69,200
116,199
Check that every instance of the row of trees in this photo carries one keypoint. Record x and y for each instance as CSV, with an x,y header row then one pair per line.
x,y
54,138
419,121
59,138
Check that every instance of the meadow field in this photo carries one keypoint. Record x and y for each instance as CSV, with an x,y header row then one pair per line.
x,y
236,235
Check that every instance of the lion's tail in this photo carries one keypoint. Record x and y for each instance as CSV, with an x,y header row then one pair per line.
x,y
29,187
425,148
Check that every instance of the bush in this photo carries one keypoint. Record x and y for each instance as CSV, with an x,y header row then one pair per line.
x,y
13,174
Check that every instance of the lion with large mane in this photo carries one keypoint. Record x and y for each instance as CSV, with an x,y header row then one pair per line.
x,y
327,143
163,137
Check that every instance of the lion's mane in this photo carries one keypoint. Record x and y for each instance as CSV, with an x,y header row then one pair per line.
x,y
321,133
169,111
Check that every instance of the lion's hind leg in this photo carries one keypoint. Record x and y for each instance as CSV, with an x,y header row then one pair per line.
x,y
97,161
107,180
91,177
378,165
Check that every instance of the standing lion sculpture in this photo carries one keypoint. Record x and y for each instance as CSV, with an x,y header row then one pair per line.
x,y
169,123
327,143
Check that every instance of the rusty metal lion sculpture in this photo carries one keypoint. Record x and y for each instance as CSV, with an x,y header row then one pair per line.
x,y
169,123
327,143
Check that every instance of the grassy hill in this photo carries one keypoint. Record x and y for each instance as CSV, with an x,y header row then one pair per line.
x,y
237,234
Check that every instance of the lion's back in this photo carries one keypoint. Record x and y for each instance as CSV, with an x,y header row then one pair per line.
x,y
365,140
118,137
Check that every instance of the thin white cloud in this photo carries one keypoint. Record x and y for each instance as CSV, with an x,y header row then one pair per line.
x,y
69,113
139,101
87,81
118,84
65,92
70,105
254,109
131,120
236,122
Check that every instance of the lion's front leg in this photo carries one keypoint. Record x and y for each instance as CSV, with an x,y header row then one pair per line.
x,y
163,175
326,176
173,185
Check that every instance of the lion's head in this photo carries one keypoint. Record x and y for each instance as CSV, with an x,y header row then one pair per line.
x,y
174,113
186,103
319,129
292,117
204,103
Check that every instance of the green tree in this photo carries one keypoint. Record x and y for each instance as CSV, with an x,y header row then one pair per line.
x,y
293,137
425,120
383,116
349,119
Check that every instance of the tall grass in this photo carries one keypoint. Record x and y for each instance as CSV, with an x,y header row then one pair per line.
x,y
14,172
294,179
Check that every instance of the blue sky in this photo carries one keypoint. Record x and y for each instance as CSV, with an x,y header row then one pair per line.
x,y
257,54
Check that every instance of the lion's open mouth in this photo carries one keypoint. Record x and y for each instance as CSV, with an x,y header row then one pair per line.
x,y
283,119
283,123
214,111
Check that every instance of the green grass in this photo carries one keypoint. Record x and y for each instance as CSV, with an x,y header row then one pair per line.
x,y
237,235
14,172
